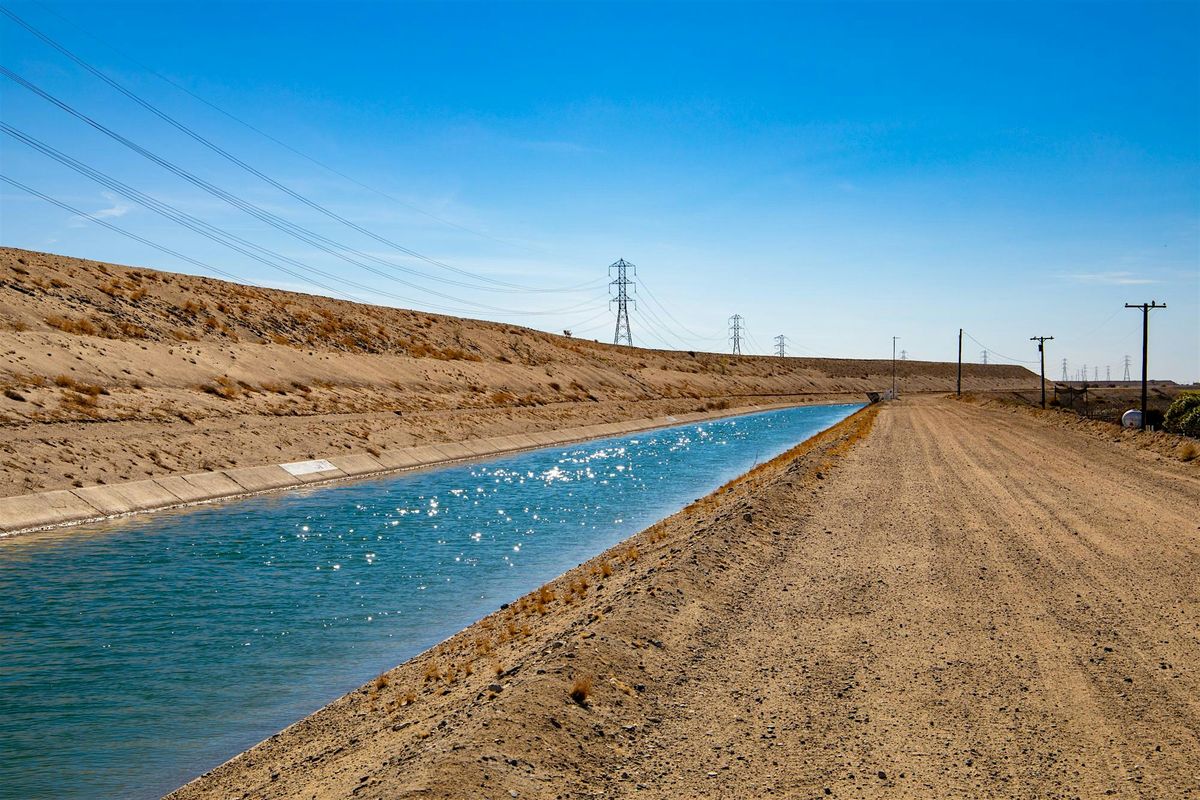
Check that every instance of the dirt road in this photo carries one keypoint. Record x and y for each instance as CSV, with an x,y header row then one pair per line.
x,y
966,603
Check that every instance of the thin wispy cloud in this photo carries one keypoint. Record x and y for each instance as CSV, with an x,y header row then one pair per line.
x,y
1110,278
562,147
117,209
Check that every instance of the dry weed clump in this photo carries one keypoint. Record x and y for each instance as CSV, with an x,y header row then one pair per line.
x,y
80,326
502,398
223,387
581,690
1188,451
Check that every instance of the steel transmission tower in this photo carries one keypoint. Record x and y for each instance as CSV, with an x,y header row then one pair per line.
x,y
623,283
1064,365
1107,373
735,333
983,355
781,345
1126,378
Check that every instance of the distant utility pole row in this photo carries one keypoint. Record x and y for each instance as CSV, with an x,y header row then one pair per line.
x,y
1145,308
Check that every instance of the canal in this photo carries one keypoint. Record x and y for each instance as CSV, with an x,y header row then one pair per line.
x,y
138,653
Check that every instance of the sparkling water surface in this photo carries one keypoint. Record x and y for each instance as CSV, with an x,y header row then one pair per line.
x,y
138,653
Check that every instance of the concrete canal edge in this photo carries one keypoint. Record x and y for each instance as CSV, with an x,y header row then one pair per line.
x,y
63,507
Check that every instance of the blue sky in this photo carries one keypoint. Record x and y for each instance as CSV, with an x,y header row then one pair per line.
x,y
837,173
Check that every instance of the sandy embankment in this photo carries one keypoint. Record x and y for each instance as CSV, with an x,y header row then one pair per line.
x,y
111,374
966,602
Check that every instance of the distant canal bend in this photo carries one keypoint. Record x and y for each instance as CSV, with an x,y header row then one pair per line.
x,y
137,654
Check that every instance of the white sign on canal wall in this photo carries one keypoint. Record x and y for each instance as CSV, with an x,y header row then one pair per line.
x,y
308,467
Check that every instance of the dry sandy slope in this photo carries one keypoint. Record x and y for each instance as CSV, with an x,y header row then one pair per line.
x,y
112,373
968,603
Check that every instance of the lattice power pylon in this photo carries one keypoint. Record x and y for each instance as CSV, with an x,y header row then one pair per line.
x,y
781,345
735,333
621,296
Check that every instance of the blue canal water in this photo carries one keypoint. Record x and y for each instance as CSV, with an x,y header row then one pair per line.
x,y
138,653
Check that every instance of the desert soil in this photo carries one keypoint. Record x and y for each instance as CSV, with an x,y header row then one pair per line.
x,y
111,373
959,601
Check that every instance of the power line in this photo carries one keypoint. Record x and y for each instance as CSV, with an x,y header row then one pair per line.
x,y
993,350
622,283
240,244
273,139
305,235
656,321
654,299
735,333
134,236
199,138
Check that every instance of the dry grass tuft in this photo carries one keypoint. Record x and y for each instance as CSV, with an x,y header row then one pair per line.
x,y
80,327
1188,451
581,689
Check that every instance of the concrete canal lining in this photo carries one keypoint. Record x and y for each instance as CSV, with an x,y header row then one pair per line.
x,y
63,507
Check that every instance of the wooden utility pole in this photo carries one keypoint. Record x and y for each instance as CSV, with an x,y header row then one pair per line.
x,y
894,338
1041,340
1146,309
958,390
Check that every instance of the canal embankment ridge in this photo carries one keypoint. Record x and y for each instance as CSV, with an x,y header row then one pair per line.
x,y
112,374
931,598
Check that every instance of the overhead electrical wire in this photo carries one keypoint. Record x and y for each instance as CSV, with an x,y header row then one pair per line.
x,y
661,326
136,237
642,286
230,115
220,235
648,330
308,237
212,146
998,353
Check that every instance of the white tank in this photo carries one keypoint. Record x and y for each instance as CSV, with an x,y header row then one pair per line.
x,y
1131,419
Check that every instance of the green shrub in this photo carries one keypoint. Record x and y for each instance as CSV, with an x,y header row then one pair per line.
x,y
1184,415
